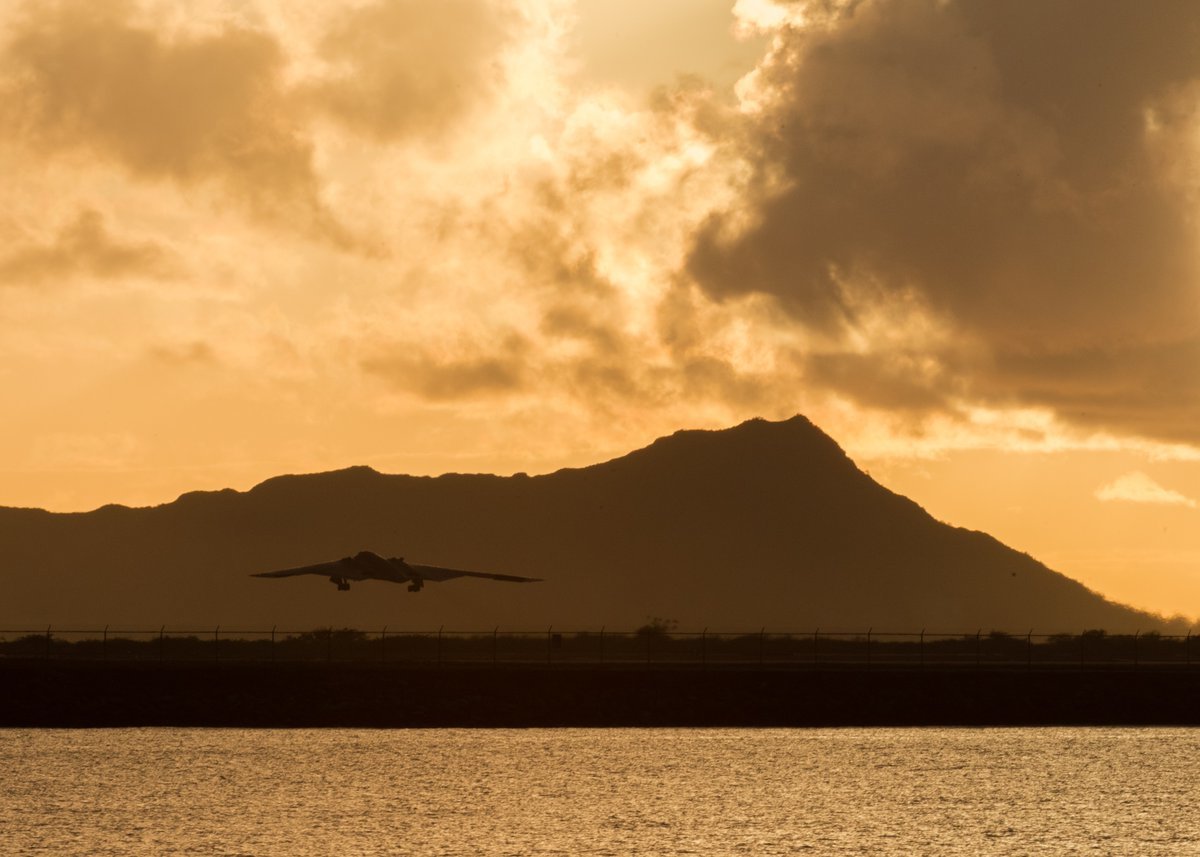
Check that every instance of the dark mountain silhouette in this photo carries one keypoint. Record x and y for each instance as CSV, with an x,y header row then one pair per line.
x,y
765,524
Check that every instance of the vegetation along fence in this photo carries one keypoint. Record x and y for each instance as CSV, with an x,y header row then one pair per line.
x,y
656,643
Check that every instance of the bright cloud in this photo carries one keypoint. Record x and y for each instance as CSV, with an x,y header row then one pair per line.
x,y
1137,487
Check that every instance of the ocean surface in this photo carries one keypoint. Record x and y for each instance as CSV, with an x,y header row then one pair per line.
x,y
592,791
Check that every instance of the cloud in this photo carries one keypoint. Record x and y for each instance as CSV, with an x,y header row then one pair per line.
x,y
451,376
184,354
641,45
1137,487
1144,388
992,164
232,104
403,68
927,224
89,78
85,246
899,383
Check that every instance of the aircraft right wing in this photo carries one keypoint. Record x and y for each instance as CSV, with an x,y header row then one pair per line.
x,y
436,573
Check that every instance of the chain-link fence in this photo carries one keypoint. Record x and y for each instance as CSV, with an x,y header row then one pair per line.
x,y
648,645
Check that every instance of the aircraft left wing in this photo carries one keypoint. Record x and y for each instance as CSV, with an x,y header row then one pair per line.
x,y
436,573
337,568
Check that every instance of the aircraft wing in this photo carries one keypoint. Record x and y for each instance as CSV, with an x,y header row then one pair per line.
x,y
436,573
337,568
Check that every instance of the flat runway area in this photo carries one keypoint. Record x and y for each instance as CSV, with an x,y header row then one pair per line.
x,y
50,693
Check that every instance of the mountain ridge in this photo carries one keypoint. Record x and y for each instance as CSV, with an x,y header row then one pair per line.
x,y
764,523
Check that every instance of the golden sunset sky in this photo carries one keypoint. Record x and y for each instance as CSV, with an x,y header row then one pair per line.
x,y
240,238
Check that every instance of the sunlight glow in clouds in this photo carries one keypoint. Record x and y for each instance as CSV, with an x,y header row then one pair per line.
x,y
252,237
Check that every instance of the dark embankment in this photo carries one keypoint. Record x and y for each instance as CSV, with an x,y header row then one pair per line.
x,y
63,694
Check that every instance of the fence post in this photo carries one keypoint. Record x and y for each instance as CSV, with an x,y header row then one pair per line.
x,y
272,642
329,645
1029,650
549,644
439,645
104,645
869,630
1136,634
161,632
762,639
1187,647
383,644
978,634
922,648
602,627
704,647
47,641
1082,640
495,634
816,659
217,643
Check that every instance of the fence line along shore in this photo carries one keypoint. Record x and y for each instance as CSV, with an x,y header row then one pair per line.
x,y
657,643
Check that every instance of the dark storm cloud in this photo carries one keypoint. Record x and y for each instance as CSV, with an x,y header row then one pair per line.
x,y
84,246
1025,170
1147,388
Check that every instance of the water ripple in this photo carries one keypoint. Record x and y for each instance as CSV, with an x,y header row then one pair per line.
x,y
599,792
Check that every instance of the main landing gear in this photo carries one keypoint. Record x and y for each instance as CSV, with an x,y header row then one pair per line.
x,y
343,585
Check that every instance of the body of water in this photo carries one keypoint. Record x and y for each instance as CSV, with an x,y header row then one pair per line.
x,y
756,792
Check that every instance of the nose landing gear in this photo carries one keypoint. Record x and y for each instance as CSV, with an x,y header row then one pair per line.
x,y
342,584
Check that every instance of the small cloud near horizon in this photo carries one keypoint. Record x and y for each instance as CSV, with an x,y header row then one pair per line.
x,y
1137,487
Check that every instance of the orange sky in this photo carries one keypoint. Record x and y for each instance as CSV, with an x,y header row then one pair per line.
x,y
245,238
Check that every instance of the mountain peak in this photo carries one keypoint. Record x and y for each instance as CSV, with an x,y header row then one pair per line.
x,y
755,447
794,431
